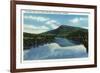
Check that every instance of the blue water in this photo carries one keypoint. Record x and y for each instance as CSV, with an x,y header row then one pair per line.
x,y
60,51
64,42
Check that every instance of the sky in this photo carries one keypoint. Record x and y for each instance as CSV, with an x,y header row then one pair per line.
x,y
40,22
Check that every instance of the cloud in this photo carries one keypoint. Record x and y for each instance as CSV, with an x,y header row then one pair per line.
x,y
47,23
78,20
28,26
51,21
37,18
40,23
33,29
44,27
82,19
75,20
52,24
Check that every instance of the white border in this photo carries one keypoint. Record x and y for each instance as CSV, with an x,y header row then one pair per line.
x,y
51,63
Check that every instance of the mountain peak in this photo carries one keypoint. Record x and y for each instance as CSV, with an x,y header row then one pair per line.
x,y
64,26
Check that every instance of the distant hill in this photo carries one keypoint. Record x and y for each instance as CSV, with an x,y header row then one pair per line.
x,y
61,30
65,30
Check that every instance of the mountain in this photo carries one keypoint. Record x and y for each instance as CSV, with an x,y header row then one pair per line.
x,y
65,30
61,30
